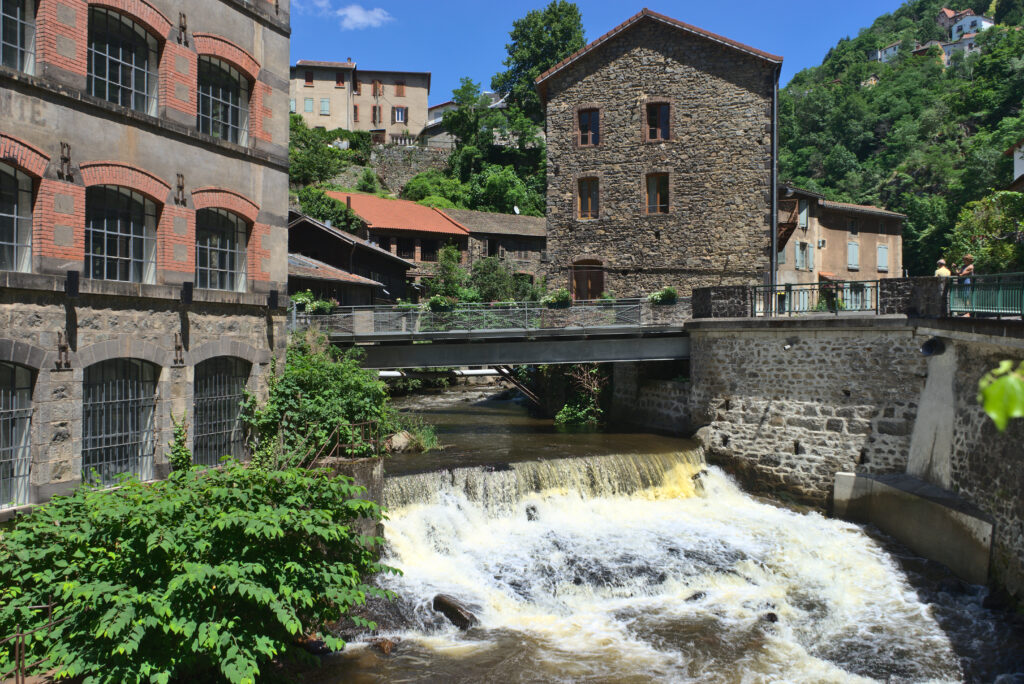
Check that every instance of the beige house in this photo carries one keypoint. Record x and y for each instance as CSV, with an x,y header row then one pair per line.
x,y
390,104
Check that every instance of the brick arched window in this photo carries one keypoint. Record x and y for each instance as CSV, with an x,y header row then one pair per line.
x,y
223,101
118,419
15,220
120,234
122,61
15,433
18,34
221,240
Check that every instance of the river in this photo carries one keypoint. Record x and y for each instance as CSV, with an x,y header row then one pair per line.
x,y
621,557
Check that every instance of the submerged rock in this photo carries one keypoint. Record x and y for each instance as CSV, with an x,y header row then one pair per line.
x,y
383,645
399,442
455,611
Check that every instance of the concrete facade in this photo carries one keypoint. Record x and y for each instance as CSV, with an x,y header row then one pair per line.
x,y
390,104
70,143
716,159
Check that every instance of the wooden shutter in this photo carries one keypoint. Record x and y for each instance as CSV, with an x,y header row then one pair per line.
x,y
852,255
400,89
883,257
355,112
810,256
393,114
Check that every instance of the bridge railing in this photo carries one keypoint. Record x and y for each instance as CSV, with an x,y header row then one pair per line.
x,y
512,316
1000,295
812,298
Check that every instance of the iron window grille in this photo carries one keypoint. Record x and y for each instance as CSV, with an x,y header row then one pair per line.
x,y
18,34
118,409
219,391
220,250
120,235
15,433
223,101
428,250
15,220
122,61
406,248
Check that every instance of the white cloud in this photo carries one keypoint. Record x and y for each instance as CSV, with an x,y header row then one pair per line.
x,y
320,6
355,17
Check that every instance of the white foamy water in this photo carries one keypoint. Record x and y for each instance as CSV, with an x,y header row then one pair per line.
x,y
630,569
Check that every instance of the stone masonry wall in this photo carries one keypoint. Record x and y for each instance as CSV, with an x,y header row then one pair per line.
x,y
397,165
718,161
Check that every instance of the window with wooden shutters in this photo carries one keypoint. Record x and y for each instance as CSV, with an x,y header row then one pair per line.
x,y
399,114
658,121
325,107
377,114
852,255
355,112
589,201
400,89
782,256
309,78
657,193
810,256
803,208
883,258
590,127
307,105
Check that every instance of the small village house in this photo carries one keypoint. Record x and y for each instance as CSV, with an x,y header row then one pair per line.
x,y
518,241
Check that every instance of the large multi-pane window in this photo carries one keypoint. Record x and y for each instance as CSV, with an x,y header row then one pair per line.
x,y
219,390
120,235
15,433
15,220
122,61
18,34
223,101
118,409
220,250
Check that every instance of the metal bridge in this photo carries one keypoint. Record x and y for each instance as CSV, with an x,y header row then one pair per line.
x,y
504,334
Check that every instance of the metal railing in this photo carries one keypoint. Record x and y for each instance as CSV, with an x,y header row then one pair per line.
x,y
816,298
999,295
18,646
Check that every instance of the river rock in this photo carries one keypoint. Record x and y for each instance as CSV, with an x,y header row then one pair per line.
x,y
455,611
399,442
383,645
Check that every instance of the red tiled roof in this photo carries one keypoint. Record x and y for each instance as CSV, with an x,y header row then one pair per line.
x,y
390,214
859,208
646,13
948,12
302,266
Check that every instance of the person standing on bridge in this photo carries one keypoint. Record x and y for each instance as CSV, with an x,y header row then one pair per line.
x,y
942,271
968,270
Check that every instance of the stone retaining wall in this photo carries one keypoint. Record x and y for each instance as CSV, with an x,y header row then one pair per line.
x,y
397,165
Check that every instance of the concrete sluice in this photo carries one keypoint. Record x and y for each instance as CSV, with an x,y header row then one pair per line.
x,y
639,568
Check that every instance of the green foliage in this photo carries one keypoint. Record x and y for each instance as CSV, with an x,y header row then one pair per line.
x,y
424,435
500,189
368,182
433,183
216,570
1001,393
449,277
313,304
924,141
310,158
584,409
180,456
439,303
1009,12
315,203
538,41
666,295
557,299
313,404
437,202
992,230
492,280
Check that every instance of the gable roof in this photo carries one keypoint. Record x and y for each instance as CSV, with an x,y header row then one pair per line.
x,y
295,218
654,16
948,12
500,224
396,214
302,266
859,209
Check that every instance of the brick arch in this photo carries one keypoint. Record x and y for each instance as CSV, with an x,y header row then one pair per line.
x,y
122,347
125,175
25,354
226,347
140,11
22,155
208,44
221,198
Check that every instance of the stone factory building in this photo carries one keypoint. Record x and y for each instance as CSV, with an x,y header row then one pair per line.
x,y
143,248
390,104
660,161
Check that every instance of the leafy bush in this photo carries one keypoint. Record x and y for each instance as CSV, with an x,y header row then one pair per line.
x,y
439,303
1001,393
437,202
368,182
211,569
666,295
557,299
433,183
449,275
180,456
315,203
310,158
313,304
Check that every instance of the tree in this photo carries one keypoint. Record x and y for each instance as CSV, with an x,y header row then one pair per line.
x,y
539,40
449,278
498,188
310,158
1010,12
992,230
492,280
315,203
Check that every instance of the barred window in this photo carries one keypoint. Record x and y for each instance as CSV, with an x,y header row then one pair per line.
x,y
118,407
220,250
18,34
219,388
122,61
15,433
15,220
223,101
120,235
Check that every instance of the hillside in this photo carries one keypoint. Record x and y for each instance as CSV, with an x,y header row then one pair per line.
x,y
924,139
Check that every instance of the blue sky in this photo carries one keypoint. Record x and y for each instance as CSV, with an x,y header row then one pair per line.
x,y
456,38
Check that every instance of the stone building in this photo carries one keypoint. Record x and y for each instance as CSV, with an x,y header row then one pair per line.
x,y
392,105
143,191
660,160
517,240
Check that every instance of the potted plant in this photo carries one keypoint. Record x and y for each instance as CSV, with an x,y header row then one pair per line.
x,y
664,296
439,303
557,299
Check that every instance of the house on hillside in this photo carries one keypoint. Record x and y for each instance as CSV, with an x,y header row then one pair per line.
x,y
822,241
966,44
948,17
888,53
1017,151
407,230
392,105
969,23
334,263
519,241
659,144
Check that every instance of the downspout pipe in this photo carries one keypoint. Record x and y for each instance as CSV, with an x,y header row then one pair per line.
x,y
774,260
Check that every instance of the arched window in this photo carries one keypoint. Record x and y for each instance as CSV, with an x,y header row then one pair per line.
x,y
122,61
118,407
120,235
219,390
15,220
223,101
18,34
220,250
587,279
15,433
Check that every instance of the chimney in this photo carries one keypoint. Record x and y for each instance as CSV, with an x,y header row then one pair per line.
x,y
348,201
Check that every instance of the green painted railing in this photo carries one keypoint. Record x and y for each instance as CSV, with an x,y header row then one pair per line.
x,y
987,295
